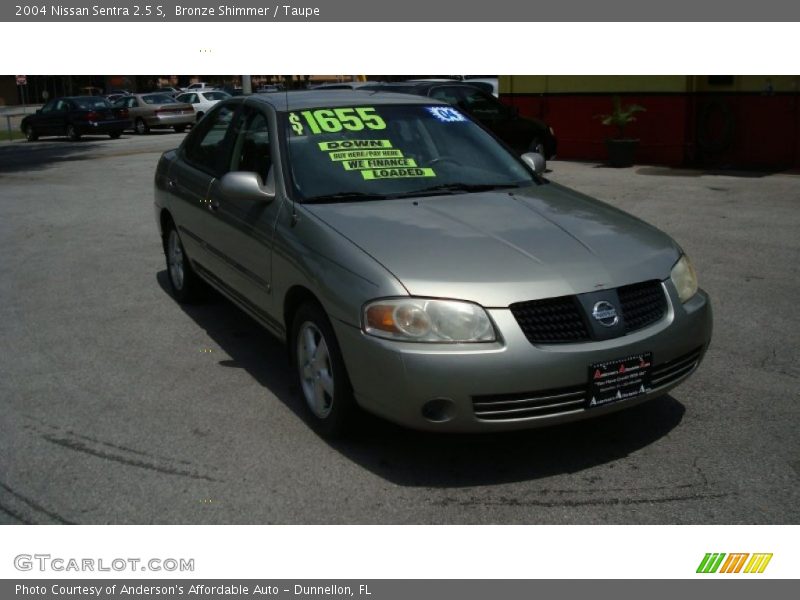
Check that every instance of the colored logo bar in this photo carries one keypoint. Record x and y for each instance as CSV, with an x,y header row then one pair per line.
x,y
716,562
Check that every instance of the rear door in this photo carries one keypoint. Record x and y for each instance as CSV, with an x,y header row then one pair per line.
x,y
200,161
54,122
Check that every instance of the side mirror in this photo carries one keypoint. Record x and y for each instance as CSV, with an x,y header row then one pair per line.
x,y
246,186
535,161
38,111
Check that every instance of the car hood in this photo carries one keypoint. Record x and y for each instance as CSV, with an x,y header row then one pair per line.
x,y
496,248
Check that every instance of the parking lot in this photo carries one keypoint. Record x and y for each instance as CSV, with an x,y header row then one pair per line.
x,y
117,405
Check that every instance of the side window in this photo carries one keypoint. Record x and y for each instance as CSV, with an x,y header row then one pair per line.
x,y
251,151
204,147
62,106
49,107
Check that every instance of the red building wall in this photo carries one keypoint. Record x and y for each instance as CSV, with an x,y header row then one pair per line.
x,y
685,123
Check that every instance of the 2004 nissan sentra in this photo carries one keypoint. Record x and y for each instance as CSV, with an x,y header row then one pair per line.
x,y
419,270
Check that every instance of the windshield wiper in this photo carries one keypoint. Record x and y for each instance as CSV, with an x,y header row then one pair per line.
x,y
461,187
343,197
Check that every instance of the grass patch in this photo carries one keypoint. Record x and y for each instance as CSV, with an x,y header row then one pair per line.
x,y
15,135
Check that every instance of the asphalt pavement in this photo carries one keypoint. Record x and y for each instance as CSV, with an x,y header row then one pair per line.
x,y
117,405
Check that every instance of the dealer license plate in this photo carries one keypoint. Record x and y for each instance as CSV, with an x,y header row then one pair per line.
x,y
620,379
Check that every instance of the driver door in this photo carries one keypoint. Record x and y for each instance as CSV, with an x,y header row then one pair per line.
x,y
244,229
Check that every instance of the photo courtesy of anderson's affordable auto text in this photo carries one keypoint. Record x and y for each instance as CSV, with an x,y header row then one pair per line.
x,y
252,321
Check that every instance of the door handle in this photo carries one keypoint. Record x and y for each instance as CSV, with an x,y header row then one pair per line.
x,y
212,204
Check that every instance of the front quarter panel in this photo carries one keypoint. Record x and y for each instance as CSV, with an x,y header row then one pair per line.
x,y
311,254
161,185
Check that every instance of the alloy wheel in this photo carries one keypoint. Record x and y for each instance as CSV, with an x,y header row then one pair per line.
x,y
316,372
175,260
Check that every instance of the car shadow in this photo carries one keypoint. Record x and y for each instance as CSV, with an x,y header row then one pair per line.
x,y
31,156
665,171
412,458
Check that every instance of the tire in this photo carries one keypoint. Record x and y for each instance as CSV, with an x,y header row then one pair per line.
x,y
30,133
114,135
320,373
141,127
184,283
179,128
72,133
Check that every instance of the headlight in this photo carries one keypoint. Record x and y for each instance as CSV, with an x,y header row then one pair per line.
x,y
425,320
684,278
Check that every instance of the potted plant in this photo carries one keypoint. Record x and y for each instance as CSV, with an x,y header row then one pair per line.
x,y
621,149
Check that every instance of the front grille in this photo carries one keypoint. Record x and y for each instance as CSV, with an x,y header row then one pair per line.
x,y
551,321
642,304
562,320
529,405
671,371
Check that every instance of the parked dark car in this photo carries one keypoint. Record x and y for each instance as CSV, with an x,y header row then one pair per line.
x,y
75,116
522,134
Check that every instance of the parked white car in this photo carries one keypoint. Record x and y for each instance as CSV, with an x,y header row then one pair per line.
x,y
202,101
199,86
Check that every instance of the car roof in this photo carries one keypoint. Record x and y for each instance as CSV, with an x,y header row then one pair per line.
x,y
83,97
298,100
417,86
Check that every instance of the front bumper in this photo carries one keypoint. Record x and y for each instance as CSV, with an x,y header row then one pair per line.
x,y
397,380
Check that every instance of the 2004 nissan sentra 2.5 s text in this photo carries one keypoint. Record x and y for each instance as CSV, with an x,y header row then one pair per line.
x,y
418,269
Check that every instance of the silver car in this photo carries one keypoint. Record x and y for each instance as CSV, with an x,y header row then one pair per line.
x,y
419,270
156,111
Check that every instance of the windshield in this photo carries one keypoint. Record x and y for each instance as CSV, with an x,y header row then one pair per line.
x,y
158,99
91,103
394,151
217,95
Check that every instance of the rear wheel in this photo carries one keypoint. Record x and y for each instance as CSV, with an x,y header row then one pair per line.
x,y
30,133
114,134
141,127
186,286
72,133
179,128
320,373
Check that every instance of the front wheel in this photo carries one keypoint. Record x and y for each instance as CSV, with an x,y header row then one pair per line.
x,y
320,373
183,281
141,127
179,128
72,133
30,133
115,135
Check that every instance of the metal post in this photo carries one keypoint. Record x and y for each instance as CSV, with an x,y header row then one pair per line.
x,y
247,85
8,125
